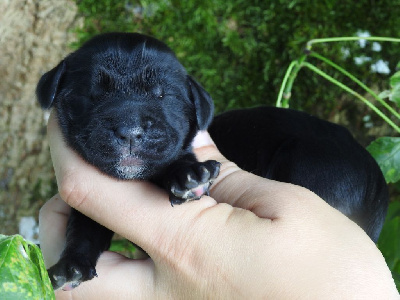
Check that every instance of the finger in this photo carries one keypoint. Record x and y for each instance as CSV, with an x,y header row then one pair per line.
x,y
266,198
53,219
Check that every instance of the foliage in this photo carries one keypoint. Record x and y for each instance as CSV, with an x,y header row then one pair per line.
x,y
386,151
394,93
239,50
22,271
295,66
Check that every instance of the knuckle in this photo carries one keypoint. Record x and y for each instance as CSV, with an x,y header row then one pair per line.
x,y
73,189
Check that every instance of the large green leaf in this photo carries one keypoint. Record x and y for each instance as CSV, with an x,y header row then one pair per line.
x,y
386,151
22,271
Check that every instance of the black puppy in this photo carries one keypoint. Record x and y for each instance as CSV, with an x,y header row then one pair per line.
x,y
292,146
127,106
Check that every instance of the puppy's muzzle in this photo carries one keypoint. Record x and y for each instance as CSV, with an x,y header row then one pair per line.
x,y
129,136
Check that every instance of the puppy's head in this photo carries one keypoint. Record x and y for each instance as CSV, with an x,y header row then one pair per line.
x,y
126,104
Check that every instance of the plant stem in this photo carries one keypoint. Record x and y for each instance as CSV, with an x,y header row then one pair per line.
x,y
367,89
283,86
351,38
352,92
287,83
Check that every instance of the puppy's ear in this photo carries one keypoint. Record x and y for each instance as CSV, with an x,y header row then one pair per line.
x,y
47,87
203,104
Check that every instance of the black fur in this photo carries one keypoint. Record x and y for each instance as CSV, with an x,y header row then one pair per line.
x,y
292,146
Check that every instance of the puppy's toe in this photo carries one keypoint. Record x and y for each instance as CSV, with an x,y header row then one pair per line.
x,y
208,170
70,272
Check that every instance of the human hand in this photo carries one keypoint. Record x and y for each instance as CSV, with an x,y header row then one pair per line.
x,y
253,238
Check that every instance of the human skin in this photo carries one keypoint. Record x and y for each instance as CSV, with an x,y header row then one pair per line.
x,y
253,238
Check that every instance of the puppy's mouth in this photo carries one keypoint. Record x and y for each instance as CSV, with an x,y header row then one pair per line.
x,y
130,167
131,161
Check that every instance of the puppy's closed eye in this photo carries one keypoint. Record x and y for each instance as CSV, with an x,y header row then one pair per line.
x,y
158,91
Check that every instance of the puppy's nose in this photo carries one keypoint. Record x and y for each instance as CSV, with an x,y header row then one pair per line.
x,y
129,135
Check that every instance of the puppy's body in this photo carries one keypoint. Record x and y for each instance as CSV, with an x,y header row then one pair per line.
x,y
294,147
127,106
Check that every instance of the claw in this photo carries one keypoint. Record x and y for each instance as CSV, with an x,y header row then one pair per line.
x,y
205,174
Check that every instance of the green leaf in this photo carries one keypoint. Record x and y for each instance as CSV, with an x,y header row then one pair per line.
x,y
395,80
385,94
22,271
395,97
393,211
386,151
123,247
395,85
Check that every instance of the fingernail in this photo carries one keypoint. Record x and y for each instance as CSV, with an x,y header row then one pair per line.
x,y
202,139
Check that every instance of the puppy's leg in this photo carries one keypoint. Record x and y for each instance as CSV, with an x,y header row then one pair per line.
x,y
85,241
188,179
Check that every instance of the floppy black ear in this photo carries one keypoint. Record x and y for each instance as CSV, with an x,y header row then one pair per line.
x,y
203,104
46,89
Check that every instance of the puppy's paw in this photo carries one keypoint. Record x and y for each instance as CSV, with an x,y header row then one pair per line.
x,y
69,272
191,181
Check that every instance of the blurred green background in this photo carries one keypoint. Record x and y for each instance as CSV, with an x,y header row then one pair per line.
x,y
239,50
